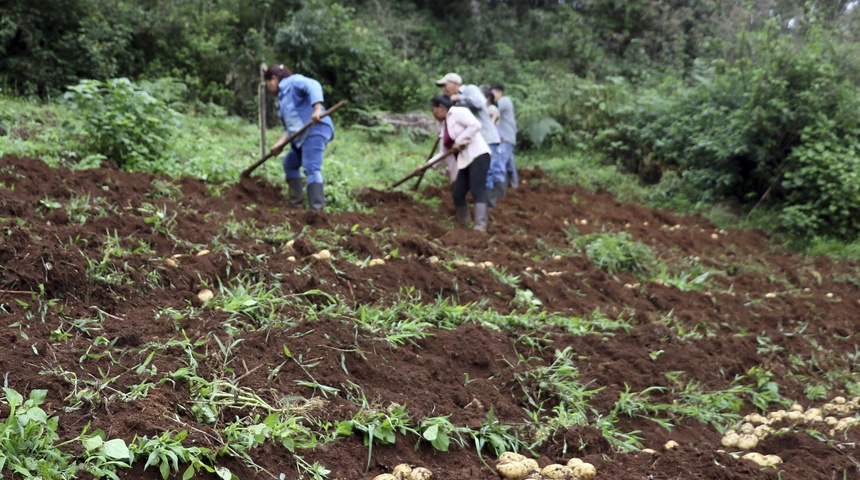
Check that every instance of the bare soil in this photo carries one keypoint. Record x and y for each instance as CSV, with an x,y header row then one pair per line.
x,y
765,307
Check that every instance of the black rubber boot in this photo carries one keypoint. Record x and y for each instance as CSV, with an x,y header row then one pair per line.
x,y
297,193
316,196
461,214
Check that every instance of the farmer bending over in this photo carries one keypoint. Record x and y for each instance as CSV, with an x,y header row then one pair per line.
x,y
470,96
300,100
468,166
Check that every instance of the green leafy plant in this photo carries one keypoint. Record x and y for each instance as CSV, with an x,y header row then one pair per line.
x,y
28,439
167,452
616,252
122,121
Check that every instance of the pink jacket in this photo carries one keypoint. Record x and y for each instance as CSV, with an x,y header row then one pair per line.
x,y
464,129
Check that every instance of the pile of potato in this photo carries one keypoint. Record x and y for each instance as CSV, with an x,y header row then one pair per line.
x,y
515,466
406,472
757,427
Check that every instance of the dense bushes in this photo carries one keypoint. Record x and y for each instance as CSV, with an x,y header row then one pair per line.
x,y
778,128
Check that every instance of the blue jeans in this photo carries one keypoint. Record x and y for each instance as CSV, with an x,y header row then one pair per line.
x,y
497,166
308,157
506,152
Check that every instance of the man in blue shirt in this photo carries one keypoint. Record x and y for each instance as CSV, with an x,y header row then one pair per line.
x,y
300,100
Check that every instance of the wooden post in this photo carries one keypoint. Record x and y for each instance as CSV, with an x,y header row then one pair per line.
x,y
262,91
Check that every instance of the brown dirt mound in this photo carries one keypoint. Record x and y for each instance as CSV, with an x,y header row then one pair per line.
x,y
99,270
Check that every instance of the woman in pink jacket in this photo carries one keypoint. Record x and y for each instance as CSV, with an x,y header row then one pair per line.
x,y
470,160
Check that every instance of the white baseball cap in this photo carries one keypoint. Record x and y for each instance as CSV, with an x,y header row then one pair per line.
x,y
449,78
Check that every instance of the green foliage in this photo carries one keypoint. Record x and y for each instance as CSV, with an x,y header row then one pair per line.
x,y
167,453
616,252
822,186
778,127
28,439
325,42
121,121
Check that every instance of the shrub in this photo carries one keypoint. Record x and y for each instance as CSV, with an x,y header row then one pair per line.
x,y
778,128
121,121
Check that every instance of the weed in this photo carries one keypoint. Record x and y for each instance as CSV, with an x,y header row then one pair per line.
x,y
616,252
164,189
27,439
377,426
167,453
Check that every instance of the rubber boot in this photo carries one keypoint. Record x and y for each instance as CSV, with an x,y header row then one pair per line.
x,y
491,197
462,214
316,196
296,194
500,189
480,217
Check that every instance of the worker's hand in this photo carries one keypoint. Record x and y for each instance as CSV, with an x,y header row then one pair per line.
x,y
316,117
276,149
458,147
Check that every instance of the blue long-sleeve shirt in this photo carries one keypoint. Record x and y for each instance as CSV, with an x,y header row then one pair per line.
x,y
297,95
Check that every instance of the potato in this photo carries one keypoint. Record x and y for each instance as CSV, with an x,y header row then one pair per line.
x,y
839,400
755,457
506,457
205,295
171,262
573,462
385,476
796,408
512,469
772,460
202,252
649,451
747,442
420,473
531,464
402,471
730,440
585,471
671,445
554,471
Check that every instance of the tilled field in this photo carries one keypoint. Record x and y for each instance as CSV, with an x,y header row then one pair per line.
x,y
328,324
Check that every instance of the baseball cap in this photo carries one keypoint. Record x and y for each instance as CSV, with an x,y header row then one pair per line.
x,y
449,77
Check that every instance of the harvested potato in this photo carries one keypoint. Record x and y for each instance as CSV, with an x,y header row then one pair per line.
x,y
747,442
512,469
772,460
671,445
385,476
730,440
649,451
202,252
402,471
531,464
573,462
420,473
585,471
555,471
205,295
506,457
171,262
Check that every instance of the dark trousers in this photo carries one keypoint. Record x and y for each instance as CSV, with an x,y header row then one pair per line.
x,y
472,179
